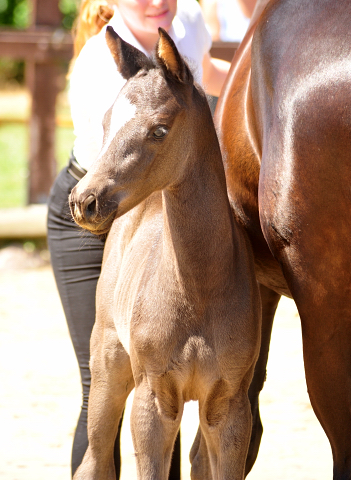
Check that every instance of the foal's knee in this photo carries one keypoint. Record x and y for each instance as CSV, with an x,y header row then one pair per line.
x,y
217,403
168,397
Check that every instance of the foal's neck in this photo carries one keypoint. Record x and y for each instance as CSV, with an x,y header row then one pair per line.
x,y
198,230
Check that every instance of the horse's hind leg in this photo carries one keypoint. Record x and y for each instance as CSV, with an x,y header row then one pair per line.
x,y
111,383
326,330
270,300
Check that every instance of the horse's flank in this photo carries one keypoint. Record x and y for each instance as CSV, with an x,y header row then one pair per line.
x,y
285,132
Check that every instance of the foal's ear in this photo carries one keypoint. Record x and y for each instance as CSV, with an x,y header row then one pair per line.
x,y
129,60
168,57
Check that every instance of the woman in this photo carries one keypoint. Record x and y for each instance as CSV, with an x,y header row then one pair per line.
x,y
94,84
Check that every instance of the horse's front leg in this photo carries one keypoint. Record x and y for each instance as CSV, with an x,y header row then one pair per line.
x,y
111,383
155,421
269,300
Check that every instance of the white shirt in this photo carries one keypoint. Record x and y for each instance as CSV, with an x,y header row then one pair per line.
x,y
95,81
233,23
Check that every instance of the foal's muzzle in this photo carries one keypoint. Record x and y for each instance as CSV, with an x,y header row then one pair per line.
x,y
84,210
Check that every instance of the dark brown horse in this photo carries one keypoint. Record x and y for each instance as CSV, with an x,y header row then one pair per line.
x,y
178,311
284,121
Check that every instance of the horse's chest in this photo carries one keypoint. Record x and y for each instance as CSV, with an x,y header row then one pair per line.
x,y
147,312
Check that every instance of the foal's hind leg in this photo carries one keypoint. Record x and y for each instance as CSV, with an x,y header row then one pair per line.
x,y
111,383
269,300
200,463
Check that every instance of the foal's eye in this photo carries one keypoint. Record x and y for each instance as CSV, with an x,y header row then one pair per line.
x,y
160,132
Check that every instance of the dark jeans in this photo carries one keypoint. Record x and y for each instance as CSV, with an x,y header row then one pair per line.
x,y
76,257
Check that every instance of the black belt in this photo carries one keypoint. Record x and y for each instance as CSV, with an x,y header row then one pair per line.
x,y
75,169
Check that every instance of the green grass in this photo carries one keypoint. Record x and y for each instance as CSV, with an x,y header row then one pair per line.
x,y
14,141
14,161
13,165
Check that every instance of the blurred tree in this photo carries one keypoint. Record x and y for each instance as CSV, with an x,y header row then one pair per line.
x,y
69,10
13,13
17,14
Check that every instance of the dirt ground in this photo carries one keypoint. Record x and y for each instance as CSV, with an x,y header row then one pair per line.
x,y
40,391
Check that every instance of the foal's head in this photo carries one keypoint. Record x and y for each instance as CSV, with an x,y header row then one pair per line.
x,y
149,132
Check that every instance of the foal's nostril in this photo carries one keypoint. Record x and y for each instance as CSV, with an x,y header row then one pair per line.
x,y
89,206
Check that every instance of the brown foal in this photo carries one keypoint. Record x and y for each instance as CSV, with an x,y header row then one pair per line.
x,y
178,309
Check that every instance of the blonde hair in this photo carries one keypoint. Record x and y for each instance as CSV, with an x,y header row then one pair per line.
x,y
93,15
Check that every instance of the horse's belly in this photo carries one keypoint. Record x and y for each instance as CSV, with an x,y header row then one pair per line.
x,y
267,268
269,273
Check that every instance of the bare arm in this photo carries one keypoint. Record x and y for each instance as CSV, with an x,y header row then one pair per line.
x,y
247,7
209,10
214,73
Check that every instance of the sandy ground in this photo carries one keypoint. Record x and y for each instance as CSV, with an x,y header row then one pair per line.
x,y
40,391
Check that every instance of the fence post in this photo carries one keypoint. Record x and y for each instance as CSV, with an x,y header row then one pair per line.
x,y
42,80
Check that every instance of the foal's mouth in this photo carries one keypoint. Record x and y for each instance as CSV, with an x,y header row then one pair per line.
x,y
96,227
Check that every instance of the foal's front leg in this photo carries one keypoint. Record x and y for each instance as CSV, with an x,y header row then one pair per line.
x,y
200,462
111,383
226,427
155,421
